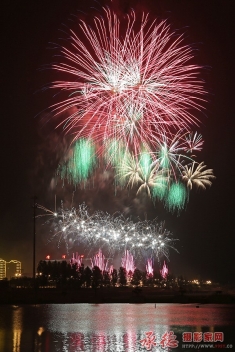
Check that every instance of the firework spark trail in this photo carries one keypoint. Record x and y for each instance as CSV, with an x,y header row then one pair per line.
x,y
132,86
149,267
128,263
164,271
197,175
115,233
111,268
142,172
76,259
194,141
173,152
100,261
177,197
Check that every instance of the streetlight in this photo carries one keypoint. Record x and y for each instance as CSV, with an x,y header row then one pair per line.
x,y
34,237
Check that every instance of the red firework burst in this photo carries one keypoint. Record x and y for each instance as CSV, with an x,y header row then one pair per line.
x,y
127,79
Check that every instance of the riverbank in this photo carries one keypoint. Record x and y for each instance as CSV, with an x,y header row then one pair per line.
x,y
111,295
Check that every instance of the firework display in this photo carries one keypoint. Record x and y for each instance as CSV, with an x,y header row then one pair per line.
x,y
76,259
128,263
111,268
131,92
149,267
80,164
129,97
198,177
115,233
130,79
99,261
164,271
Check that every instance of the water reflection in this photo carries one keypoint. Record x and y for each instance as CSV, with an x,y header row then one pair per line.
x,y
99,341
38,342
107,327
17,327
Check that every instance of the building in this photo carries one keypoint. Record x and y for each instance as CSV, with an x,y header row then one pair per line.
x,y
2,269
9,269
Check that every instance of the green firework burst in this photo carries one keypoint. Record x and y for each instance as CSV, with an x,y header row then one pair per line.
x,y
81,164
177,197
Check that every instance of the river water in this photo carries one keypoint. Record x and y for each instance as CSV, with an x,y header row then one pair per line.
x,y
116,327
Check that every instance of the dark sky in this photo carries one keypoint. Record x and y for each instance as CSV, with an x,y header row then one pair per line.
x,y
29,151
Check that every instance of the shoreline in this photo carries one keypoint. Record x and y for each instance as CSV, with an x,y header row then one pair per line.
x,y
110,295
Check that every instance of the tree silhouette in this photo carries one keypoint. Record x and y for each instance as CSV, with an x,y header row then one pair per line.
x,y
122,276
136,278
87,276
106,279
114,277
96,277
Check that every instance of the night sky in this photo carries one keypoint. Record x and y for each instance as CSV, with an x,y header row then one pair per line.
x,y
30,147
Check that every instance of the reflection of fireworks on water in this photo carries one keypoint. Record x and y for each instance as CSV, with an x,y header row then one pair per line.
x,y
164,271
100,261
128,263
149,267
115,233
